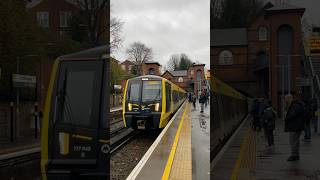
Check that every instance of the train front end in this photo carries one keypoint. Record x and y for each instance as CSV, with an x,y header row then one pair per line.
x,y
142,105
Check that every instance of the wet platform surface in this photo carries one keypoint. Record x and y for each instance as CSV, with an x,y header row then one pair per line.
x,y
182,152
248,157
200,132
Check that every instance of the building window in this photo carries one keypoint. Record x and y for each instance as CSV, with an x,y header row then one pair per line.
x,y
43,19
151,71
123,67
263,34
180,79
199,75
130,67
65,17
226,58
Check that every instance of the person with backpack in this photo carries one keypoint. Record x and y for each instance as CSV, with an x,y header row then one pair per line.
x,y
294,124
268,122
202,100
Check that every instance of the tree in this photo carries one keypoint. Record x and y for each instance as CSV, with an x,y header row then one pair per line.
x,y
95,15
139,53
233,13
173,63
116,39
179,62
185,62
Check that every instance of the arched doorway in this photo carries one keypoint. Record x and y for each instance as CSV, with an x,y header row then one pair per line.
x,y
284,53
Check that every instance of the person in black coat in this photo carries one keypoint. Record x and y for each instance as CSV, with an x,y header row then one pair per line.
x,y
202,100
268,122
294,124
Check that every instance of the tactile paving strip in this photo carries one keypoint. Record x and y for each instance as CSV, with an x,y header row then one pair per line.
x,y
182,163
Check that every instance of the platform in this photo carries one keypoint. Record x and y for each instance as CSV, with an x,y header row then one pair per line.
x,y
181,151
248,157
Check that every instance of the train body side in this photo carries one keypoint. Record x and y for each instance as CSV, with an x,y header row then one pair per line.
x,y
228,109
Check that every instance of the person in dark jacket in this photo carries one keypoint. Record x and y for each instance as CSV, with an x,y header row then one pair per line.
x,y
314,118
268,122
310,112
255,114
294,124
202,100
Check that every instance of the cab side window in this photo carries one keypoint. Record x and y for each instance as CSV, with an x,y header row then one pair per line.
x,y
168,97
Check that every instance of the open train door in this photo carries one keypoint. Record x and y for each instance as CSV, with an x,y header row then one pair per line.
x,y
78,138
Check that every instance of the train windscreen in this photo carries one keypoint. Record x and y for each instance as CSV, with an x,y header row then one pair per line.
x,y
151,91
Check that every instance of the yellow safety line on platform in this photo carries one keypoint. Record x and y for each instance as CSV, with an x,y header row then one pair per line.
x,y
167,170
236,168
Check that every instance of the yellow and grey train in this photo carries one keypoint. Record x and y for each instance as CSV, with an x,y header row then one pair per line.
x,y
74,134
150,101
228,108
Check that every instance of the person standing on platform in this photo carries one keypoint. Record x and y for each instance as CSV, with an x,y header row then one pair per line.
x,y
294,124
311,107
194,100
262,106
314,118
202,100
255,114
268,122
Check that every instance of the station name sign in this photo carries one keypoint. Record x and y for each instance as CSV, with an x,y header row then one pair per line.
x,y
314,44
24,80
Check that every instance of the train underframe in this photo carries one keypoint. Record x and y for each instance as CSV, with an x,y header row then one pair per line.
x,y
137,120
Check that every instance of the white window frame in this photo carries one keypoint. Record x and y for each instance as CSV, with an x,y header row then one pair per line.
x,y
225,58
43,19
180,79
263,33
65,18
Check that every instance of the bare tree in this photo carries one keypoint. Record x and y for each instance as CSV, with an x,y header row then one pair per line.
x,y
96,17
173,63
139,53
115,33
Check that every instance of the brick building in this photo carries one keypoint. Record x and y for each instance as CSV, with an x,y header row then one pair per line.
x,y
127,66
53,14
151,68
256,59
192,80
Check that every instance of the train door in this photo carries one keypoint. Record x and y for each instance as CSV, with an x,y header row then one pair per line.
x,y
76,126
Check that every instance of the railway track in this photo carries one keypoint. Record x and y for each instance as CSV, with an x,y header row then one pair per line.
x,y
119,137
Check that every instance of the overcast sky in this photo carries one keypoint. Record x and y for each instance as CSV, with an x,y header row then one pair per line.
x,y
167,26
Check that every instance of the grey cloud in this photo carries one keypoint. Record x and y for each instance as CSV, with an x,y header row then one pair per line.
x,y
168,26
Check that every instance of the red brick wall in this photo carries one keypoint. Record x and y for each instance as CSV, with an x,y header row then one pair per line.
x,y
146,67
54,8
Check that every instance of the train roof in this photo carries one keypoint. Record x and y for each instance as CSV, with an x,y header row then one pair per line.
x,y
149,76
220,87
154,77
93,53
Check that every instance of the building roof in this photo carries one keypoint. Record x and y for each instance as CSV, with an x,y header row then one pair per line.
x,y
130,62
179,73
283,6
229,37
152,62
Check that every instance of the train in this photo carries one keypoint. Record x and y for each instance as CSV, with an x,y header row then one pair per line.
x,y
228,108
74,133
150,101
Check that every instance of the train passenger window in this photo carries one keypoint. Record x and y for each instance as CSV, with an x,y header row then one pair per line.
x,y
134,92
151,91
168,97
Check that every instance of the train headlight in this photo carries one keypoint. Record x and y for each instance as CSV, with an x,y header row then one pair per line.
x,y
129,106
157,107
